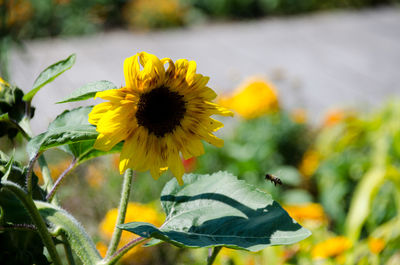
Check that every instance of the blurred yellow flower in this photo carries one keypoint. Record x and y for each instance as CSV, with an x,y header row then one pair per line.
x,y
161,114
376,245
331,247
3,83
309,163
299,115
252,99
135,213
306,212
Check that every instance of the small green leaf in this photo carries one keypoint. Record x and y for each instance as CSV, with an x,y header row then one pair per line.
x,y
220,210
49,74
70,127
61,221
4,117
88,91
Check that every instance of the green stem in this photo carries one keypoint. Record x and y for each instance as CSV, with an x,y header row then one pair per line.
x,y
29,174
37,219
213,255
123,205
68,250
48,181
118,254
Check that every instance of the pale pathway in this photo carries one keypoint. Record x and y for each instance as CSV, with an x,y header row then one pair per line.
x,y
317,62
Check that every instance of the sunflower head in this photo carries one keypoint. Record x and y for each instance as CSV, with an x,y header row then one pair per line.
x,y
161,114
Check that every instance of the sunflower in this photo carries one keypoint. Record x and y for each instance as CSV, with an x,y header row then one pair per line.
x,y
161,114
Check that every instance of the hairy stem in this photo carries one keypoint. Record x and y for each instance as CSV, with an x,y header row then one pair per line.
x,y
37,219
48,181
68,250
29,174
120,252
53,190
123,205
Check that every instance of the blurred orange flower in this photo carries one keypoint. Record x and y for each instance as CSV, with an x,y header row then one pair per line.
x,y
376,245
252,99
135,213
309,163
308,211
189,164
333,117
332,247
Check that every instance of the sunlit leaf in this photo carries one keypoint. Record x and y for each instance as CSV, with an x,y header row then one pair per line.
x,y
88,91
220,210
49,74
70,127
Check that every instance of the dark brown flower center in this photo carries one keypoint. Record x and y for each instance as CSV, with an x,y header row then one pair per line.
x,y
160,110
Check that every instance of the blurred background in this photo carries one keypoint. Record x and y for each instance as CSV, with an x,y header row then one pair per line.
x,y
313,84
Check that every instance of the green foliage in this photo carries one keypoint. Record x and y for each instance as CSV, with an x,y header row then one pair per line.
x,y
70,127
13,110
62,222
88,91
272,144
258,8
359,159
20,244
220,210
49,74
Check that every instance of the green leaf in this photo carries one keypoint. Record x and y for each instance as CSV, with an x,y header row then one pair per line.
x,y
88,91
84,151
220,210
62,221
70,127
49,74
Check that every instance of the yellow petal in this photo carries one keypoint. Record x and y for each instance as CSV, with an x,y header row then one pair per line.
x,y
131,70
98,112
106,142
113,95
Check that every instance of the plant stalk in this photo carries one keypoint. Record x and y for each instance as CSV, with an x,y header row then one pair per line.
x,y
37,219
118,254
211,257
53,190
48,181
123,205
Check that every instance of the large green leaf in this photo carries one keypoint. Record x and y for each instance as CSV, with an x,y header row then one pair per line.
x,y
220,210
70,127
49,74
88,91
62,222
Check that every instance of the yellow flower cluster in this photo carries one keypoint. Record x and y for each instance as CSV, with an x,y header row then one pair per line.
x,y
331,247
252,99
135,213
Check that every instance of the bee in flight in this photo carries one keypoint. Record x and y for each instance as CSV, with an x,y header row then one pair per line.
x,y
273,179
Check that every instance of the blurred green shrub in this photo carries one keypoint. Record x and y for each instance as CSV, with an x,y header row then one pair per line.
x,y
358,177
258,8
